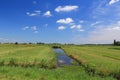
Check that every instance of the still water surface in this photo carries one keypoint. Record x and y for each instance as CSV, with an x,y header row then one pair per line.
x,y
62,58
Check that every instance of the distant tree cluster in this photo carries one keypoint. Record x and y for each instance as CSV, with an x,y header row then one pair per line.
x,y
40,43
117,43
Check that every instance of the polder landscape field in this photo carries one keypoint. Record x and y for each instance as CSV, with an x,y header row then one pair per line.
x,y
59,39
39,62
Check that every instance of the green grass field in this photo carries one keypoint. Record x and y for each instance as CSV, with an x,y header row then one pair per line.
x,y
65,73
102,60
27,55
33,62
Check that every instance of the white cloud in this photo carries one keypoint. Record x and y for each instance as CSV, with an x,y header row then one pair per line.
x,y
102,34
113,1
31,14
61,27
35,13
77,27
81,21
95,23
47,14
46,25
25,28
34,2
101,11
35,31
72,27
117,28
118,22
67,8
65,21
81,30
33,28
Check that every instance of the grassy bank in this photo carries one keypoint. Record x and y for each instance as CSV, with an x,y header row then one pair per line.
x,y
65,73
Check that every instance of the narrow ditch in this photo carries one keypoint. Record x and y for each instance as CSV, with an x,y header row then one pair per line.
x,y
63,59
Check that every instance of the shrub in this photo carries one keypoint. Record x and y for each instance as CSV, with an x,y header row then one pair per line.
x,y
12,62
2,63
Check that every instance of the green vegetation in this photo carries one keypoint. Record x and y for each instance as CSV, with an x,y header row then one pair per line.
x,y
38,62
102,60
117,43
65,73
27,56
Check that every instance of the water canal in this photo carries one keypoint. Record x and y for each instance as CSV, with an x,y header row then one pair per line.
x,y
62,58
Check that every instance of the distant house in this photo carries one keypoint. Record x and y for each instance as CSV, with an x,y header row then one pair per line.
x,y
117,43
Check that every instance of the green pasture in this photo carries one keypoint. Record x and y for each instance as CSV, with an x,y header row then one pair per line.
x,y
103,60
39,62
27,55
65,73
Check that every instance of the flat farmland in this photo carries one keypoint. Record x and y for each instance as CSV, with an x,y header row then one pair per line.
x,y
27,55
39,62
102,60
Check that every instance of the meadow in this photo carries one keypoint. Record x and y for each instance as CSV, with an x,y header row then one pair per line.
x,y
39,62
27,55
101,60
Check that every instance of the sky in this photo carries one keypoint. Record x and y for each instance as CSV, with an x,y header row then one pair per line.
x,y
60,21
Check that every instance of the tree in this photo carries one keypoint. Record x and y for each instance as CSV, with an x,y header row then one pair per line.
x,y
16,43
114,42
117,43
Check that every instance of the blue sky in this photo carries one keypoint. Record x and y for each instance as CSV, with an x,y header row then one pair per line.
x,y
60,21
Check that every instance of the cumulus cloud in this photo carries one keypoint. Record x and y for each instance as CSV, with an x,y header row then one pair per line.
x,y
61,27
47,14
35,13
113,1
65,21
67,8
70,22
